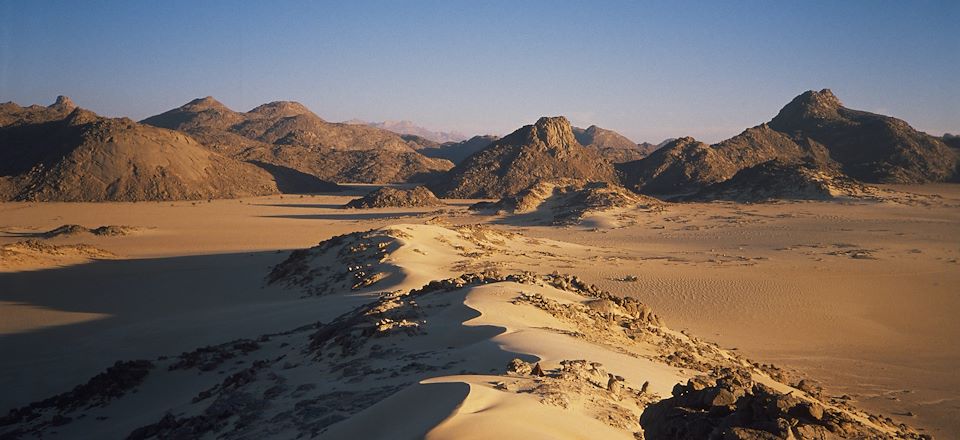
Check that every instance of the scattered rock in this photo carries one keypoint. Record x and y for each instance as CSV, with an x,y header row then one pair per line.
x,y
388,197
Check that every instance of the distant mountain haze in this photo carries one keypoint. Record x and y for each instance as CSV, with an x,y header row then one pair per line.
x,y
411,128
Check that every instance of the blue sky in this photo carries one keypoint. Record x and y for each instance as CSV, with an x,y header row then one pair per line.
x,y
649,70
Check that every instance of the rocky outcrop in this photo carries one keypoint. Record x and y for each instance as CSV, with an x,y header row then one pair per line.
x,y
289,135
59,154
543,151
388,197
735,407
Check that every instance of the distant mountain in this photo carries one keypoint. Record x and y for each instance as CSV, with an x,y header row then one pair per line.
x,y
813,128
288,134
66,153
613,146
542,151
411,128
408,127
457,152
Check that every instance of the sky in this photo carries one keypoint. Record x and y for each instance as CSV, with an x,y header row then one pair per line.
x,y
649,70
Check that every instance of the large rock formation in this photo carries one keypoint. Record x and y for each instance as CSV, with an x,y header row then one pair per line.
x,y
65,153
288,134
613,146
815,128
543,151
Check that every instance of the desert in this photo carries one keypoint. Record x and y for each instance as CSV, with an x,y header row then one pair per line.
x,y
479,220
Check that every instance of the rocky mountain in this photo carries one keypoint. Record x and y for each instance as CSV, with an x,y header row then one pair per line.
x,y
870,147
542,151
410,128
613,146
287,134
813,128
457,152
66,153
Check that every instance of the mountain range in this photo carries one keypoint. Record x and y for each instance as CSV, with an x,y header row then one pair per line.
x,y
288,134
65,153
204,149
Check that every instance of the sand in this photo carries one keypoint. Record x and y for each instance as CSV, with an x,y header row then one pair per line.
x,y
860,297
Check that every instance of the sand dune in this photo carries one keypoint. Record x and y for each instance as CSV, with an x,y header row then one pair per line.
x,y
815,309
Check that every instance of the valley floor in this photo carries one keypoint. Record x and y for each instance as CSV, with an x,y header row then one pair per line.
x,y
861,297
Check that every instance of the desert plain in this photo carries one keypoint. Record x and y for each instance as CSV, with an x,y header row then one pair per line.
x,y
856,297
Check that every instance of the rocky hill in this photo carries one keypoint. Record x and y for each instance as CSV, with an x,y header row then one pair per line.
x,y
814,128
65,153
288,134
542,151
457,152
613,146
388,197
868,146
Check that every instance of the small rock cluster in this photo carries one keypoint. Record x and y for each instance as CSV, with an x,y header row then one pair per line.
x,y
388,197
735,407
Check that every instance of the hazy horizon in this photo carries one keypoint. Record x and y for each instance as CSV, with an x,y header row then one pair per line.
x,y
648,71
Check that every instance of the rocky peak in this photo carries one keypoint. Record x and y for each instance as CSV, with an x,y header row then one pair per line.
x,y
63,103
555,132
809,105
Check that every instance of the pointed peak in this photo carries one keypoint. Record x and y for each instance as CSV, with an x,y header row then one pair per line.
x,y
808,105
823,99
63,103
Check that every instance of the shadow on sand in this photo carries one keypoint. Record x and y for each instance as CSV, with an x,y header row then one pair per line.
x,y
149,307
